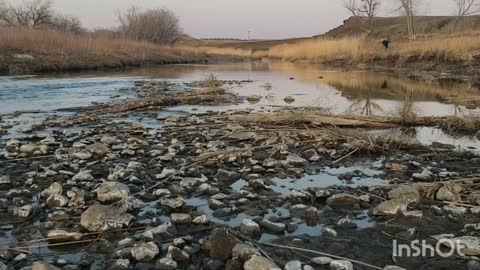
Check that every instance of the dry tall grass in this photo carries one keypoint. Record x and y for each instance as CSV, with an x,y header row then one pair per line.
x,y
353,48
359,49
59,51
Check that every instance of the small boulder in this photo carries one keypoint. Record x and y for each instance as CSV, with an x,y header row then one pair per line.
x,y
99,218
260,263
145,252
112,191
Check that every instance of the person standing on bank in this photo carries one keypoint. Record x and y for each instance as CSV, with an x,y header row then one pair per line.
x,y
386,43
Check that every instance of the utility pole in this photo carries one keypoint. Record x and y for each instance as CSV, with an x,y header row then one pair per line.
x,y
249,34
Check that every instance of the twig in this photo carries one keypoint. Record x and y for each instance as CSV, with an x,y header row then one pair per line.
x,y
319,253
344,157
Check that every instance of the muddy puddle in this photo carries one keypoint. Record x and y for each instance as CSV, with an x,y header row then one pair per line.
x,y
319,197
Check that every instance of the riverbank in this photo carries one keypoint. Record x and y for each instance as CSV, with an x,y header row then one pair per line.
x,y
26,51
454,56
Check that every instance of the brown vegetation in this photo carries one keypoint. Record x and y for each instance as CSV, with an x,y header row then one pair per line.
x,y
26,50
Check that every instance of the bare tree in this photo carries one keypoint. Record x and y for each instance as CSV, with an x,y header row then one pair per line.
x,y
31,14
156,25
68,24
367,8
409,9
351,6
466,7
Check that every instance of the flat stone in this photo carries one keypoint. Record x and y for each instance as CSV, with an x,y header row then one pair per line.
x,y
272,226
321,260
121,264
219,244
83,176
249,227
43,266
54,188
449,193
343,200
98,149
166,264
341,265
111,191
180,218
405,192
293,265
57,200
244,251
177,254
145,252
391,207
260,263
99,218
226,176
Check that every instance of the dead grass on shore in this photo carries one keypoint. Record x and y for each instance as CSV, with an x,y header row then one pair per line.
x,y
440,48
66,51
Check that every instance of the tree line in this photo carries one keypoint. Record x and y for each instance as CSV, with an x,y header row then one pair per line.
x,y
407,8
158,25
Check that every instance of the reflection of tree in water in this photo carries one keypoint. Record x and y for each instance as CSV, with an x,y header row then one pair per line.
x,y
364,105
410,132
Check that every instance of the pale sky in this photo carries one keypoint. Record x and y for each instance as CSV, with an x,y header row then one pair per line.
x,y
269,19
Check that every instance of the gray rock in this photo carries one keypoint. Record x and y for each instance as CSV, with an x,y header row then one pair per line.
x,y
43,266
62,235
473,264
201,220
289,99
177,254
343,200
166,264
112,192
391,207
405,192
57,200
54,188
172,203
98,149
423,176
226,176
454,210
321,260
244,251
329,232
145,252
249,227
107,139
272,226
219,244
180,218
293,265
393,267
121,264
260,263
99,218
162,192
83,176
341,265
23,211
449,193
81,154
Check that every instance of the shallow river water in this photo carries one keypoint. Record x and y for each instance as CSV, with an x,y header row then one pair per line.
x,y
25,99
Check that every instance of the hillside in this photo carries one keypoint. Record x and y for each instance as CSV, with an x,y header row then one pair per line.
x,y
385,27
395,27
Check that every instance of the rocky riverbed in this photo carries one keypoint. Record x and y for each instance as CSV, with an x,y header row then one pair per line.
x,y
124,185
